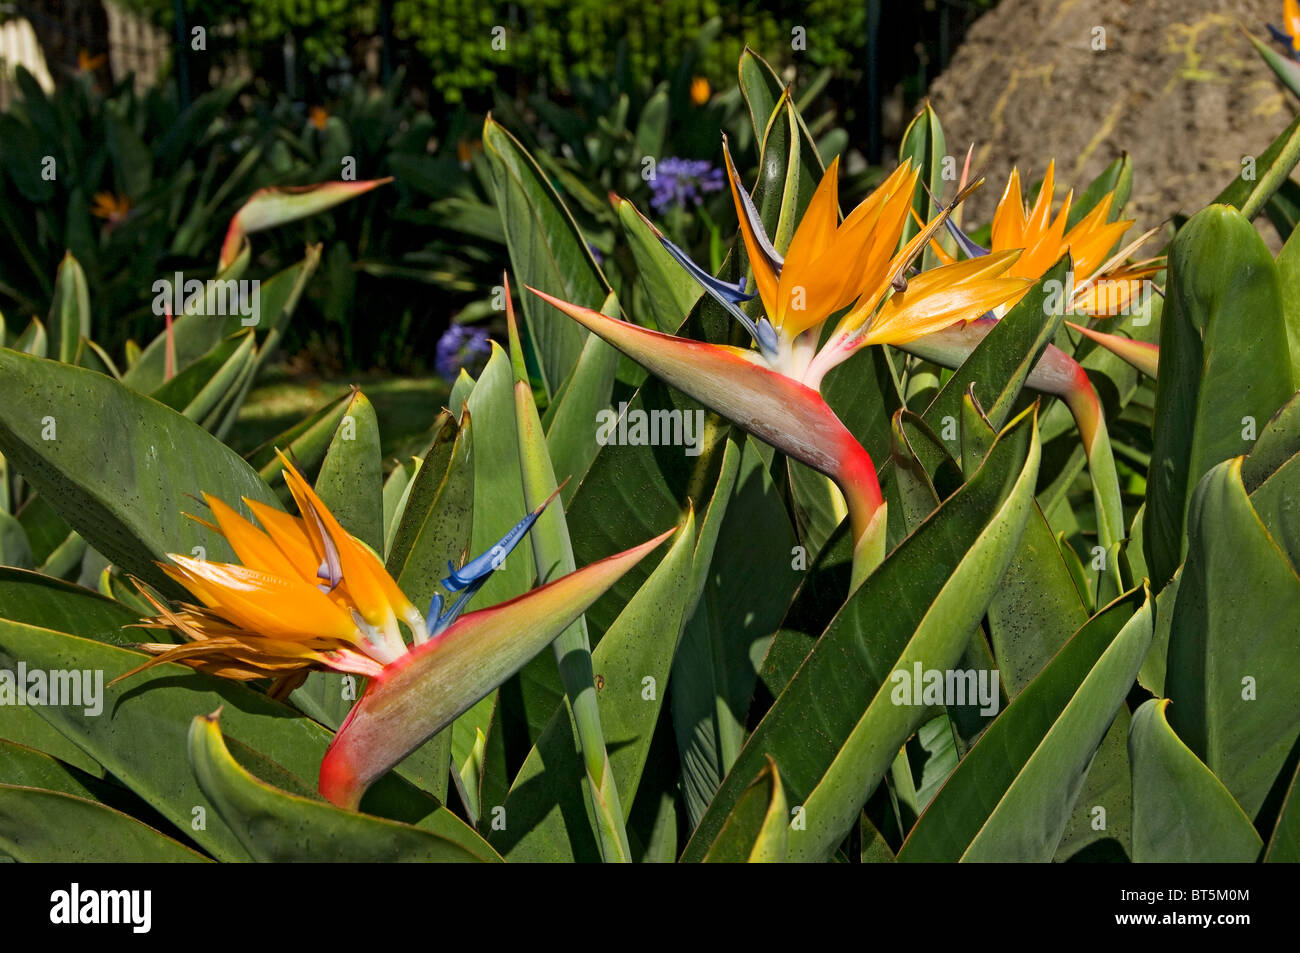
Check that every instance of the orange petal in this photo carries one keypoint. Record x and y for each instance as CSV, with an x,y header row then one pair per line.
x,y
289,534
1009,219
253,547
765,276
261,602
369,585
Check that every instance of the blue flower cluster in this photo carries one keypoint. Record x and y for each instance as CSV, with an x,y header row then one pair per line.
x,y
683,181
458,346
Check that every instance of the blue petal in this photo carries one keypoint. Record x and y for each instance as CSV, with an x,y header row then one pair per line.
x,y
722,290
471,577
480,567
729,296
969,247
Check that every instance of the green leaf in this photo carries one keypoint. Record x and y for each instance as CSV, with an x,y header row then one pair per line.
x,y
1288,271
306,443
140,733
548,816
924,144
351,480
547,252
553,556
40,826
397,492
117,465
575,421
69,318
278,826
212,316
729,627
833,729
1284,846
1182,813
1234,664
35,599
1011,796
1223,313
757,829
670,291
1278,442
1117,178
32,340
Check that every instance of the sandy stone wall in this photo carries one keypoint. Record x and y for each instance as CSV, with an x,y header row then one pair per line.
x,y
1177,86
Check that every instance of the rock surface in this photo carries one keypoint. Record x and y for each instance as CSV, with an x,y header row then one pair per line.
x,y
1177,86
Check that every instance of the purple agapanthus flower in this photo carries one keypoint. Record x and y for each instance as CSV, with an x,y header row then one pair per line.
x,y
682,182
459,346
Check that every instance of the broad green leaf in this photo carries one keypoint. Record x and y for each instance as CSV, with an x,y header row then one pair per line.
x,y
117,465
1021,778
221,389
397,491
352,474
553,556
15,549
279,826
730,626
1182,813
306,443
924,145
1223,315
69,317
546,811
38,600
498,496
41,826
1234,664
1288,272
1089,833
669,289
213,314
30,768
757,829
1284,846
582,410
182,390
833,729
139,735
23,726
1278,442
547,252
33,340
